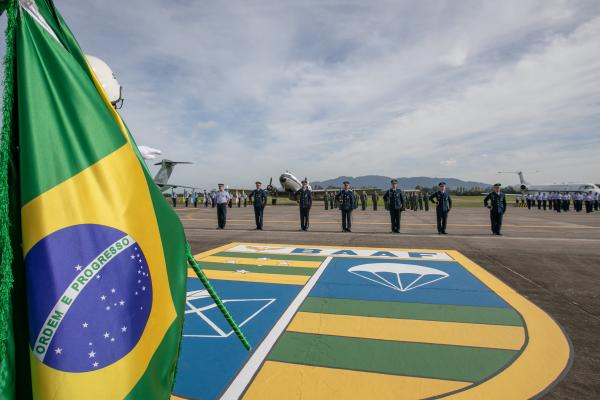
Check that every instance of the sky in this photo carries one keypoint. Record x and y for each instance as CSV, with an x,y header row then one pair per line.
x,y
248,89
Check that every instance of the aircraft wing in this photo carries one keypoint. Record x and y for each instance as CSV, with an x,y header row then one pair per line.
x,y
168,186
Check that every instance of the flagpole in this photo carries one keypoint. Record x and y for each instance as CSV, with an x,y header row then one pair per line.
x,y
213,294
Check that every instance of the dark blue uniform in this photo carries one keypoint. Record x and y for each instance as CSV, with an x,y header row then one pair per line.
x,y
259,199
497,209
395,200
304,198
443,203
346,202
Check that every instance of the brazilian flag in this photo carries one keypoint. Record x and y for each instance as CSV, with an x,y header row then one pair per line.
x,y
93,272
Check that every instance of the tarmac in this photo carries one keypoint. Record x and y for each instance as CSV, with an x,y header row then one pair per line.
x,y
550,258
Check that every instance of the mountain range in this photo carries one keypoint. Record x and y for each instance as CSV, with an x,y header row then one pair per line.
x,y
383,182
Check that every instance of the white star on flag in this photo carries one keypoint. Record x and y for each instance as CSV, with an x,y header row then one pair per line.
x,y
112,339
58,350
95,364
92,354
112,290
78,267
103,297
122,302
132,257
85,324
124,329
106,335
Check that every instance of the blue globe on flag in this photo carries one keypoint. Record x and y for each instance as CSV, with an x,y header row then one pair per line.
x,y
89,297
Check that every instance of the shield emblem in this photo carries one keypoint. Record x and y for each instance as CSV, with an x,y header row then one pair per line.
x,y
389,323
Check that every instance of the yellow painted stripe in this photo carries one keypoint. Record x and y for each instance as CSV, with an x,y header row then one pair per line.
x,y
408,330
253,277
219,249
278,380
256,261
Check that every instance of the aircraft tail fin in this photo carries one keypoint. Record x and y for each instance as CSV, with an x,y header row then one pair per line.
x,y
519,173
165,171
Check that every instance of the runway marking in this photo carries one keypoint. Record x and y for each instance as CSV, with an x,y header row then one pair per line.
x,y
424,235
450,225
407,330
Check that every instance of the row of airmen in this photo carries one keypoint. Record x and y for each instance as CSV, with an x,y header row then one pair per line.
x,y
414,201
347,202
558,201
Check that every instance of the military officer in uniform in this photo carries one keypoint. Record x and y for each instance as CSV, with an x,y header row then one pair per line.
x,y
420,198
443,203
174,198
426,201
375,199
304,198
396,203
346,199
259,200
497,208
363,201
326,200
222,199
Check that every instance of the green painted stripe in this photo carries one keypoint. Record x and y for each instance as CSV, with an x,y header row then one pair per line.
x,y
257,268
468,364
291,257
429,312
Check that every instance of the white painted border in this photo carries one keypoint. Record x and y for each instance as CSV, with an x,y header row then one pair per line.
x,y
244,377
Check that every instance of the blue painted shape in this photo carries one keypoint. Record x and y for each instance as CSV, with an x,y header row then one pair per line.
x,y
459,288
208,364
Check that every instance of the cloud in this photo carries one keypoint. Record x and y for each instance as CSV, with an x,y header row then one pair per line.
x,y
206,125
247,90
448,163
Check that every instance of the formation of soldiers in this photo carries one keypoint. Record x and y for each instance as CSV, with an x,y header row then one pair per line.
x,y
560,201
415,200
395,202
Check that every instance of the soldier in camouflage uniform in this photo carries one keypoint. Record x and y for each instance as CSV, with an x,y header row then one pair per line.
x,y
375,199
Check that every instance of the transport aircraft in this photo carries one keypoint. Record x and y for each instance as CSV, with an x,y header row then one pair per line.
x,y
571,187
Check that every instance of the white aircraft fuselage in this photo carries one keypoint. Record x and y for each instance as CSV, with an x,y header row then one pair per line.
x,y
575,187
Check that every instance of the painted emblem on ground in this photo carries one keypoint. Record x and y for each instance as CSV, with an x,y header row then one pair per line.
x,y
209,324
396,276
355,323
